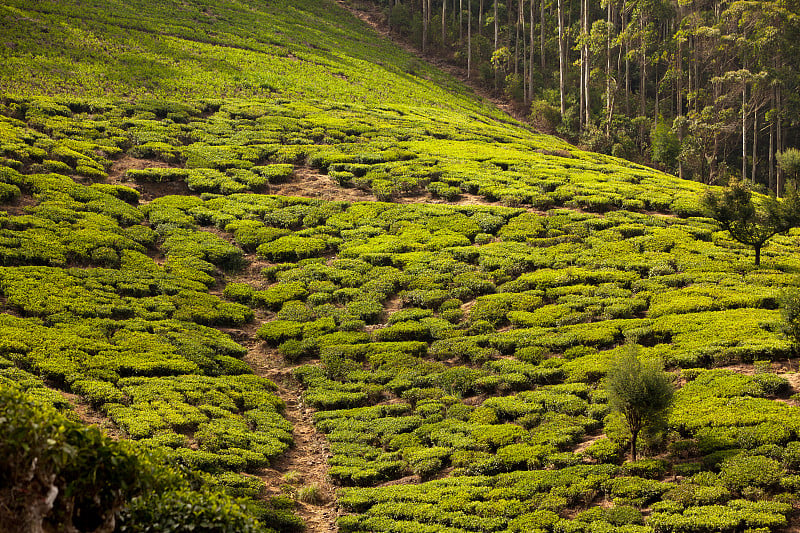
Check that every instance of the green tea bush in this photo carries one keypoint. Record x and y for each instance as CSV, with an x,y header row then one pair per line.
x,y
741,472
83,479
292,248
275,296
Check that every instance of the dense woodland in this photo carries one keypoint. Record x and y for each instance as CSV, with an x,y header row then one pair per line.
x,y
707,90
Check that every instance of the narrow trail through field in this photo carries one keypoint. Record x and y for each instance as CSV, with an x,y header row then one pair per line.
x,y
305,464
370,14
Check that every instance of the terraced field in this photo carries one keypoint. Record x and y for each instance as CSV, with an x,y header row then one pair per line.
x,y
265,242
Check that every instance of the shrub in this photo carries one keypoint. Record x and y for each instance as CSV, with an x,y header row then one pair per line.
x,y
741,472
545,117
604,451
58,473
641,391
278,331
274,297
188,510
647,468
292,247
98,392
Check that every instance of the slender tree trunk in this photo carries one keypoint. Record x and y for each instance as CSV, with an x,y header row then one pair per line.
x,y
424,26
460,21
509,23
541,35
524,51
713,165
516,44
608,68
530,62
480,19
642,67
779,137
627,64
582,83
755,146
561,58
696,79
679,91
689,77
567,24
655,106
588,68
496,26
634,438
444,24
772,146
469,40
744,130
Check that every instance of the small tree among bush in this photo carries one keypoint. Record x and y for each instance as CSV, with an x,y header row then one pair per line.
x,y
640,390
749,223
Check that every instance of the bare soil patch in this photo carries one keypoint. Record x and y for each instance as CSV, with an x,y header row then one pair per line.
x,y
428,198
116,174
308,183
17,207
149,190
789,369
307,458
92,417
587,441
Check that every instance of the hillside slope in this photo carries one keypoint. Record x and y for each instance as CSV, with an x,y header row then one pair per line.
x,y
231,228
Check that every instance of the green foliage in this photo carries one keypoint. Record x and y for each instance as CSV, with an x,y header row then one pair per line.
x,y
749,223
437,336
665,145
81,478
789,161
790,313
640,390
742,472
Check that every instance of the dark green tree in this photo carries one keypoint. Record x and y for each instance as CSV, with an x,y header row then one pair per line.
x,y
749,222
789,161
640,390
666,146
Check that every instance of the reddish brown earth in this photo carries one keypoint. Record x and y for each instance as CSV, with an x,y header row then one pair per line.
x,y
309,183
149,190
90,416
307,459
17,207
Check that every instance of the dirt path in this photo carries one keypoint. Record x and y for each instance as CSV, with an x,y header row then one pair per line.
x,y
92,417
370,14
304,467
305,464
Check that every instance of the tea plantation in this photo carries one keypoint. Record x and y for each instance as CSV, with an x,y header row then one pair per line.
x,y
450,337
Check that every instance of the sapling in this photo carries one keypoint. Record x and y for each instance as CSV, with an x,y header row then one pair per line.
x,y
640,390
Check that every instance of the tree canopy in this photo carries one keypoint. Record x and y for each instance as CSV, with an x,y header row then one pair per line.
x,y
640,390
749,221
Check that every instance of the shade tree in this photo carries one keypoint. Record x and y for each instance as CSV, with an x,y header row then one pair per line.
x,y
749,221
